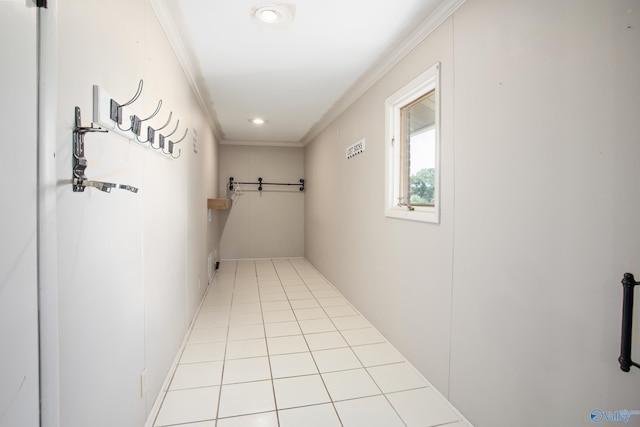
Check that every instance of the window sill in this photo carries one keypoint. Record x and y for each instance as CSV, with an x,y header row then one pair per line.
x,y
418,214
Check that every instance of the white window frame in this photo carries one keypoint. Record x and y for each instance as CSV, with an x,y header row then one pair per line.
x,y
425,82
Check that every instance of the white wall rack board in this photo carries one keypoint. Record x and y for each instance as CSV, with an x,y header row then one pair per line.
x,y
120,119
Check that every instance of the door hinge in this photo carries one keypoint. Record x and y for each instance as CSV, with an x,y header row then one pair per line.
x,y
41,3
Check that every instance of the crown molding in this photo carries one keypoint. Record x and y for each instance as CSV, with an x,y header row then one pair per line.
x,y
377,71
262,143
165,16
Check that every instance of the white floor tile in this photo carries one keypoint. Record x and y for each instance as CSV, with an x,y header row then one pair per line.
x,y
203,352
246,332
246,297
332,302
290,365
316,325
300,391
184,406
422,408
299,295
315,285
310,416
370,412
287,345
350,322
340,311
295,288
279,316
211,423
325,341
240,319
196,375
220,299
275,306
325,293
396,377
251,307
267,419
285,329
246,348
339,359
310,313
213,320
273,296
304,303
246,398
377,354
245,370
362,336
208,335
282,329
352,384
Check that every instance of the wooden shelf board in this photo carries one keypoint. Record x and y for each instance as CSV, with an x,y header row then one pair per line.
x,y
218,204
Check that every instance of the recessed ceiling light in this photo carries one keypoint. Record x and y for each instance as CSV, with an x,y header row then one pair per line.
x,y
269,15
258,121
274,13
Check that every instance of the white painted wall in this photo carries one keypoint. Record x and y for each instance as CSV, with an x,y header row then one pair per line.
x,y
19,399
268,224
512,305
132,267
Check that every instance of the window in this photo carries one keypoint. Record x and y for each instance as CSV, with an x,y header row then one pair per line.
x,y
413,148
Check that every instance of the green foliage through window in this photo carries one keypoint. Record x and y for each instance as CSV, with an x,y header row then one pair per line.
x,y
422,187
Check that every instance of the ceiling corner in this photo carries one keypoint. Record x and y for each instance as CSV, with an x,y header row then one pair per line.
x,y
378,70
165,14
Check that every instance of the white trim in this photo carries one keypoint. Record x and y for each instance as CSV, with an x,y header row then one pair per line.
x,y
364,83
47,218
428,80
187,62
262,143
155,409
375,73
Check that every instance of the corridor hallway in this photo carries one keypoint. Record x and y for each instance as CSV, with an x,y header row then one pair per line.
x,y
275,345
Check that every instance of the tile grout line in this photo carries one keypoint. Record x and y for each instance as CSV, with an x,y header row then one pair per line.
x,y
333,403
266,343
226,344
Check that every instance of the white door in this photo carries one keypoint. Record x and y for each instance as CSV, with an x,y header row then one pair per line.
x,y
19,385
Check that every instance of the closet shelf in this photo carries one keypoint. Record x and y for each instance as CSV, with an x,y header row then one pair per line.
x,y
218,204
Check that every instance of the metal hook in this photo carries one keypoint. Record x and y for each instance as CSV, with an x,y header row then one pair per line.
x,y
150,131
161,137
167,123
116,109
136,96
174,130
183,137
170,150
136,122
178,156
154,113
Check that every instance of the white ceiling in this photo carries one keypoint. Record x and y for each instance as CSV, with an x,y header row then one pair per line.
x,y
293,75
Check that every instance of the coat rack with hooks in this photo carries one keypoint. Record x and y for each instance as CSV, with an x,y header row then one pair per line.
x,y
260,183
118,118
80,181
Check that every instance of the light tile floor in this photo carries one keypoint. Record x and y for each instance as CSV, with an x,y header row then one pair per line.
x,y
275,345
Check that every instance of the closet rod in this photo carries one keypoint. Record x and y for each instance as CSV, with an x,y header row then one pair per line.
x,y
260,183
